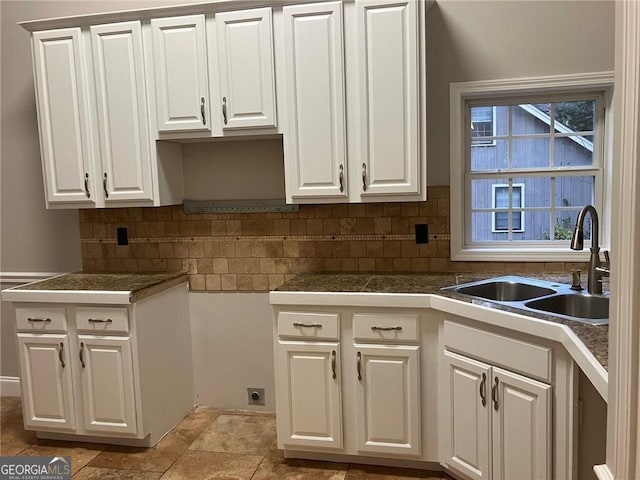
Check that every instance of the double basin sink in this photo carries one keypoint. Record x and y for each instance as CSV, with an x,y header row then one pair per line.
x,y
540,296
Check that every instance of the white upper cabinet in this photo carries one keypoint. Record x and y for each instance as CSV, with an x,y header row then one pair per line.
x,y
122,112
389,102
180,57
63,114
315,136
246,69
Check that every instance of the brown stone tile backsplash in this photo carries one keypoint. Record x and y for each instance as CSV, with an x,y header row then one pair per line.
x,y
259,251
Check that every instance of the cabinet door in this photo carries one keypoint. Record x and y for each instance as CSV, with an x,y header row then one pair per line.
x,y
180,56
245,46
308,399
45,378
122,111
388,399
387,53
106,372
466,407
63,115
315,145
521,427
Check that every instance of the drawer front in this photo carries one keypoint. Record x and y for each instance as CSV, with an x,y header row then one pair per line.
x,y
515,355
385,327
320,326
41,319
102,320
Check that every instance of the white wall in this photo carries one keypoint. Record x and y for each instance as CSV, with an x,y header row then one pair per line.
x,y
484,40
232,348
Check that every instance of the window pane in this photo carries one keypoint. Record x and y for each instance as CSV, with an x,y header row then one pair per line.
x,y
481,228
527,119
481,125
502,119
537,225
531,152
482,192
565,222
573,151
502,197
575,116
537,191
502,221
491,157
574,191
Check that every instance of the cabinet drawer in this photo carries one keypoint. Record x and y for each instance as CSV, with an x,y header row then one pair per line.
x,y
515,355
386,327
323,326
41,319
102,320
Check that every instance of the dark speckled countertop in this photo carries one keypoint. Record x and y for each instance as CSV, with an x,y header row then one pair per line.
x,y
595,338
139,284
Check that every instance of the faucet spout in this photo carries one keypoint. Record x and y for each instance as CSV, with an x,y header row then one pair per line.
x,y
577,243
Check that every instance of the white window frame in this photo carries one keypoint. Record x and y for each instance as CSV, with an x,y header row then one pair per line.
x,y
460,94
510,210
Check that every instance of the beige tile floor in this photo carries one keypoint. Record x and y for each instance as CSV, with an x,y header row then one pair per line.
x,y
207,444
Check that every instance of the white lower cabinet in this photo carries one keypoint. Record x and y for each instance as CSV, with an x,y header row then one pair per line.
x,y
107,373
388,399
108,393
309,405
498,423
378,394
45,378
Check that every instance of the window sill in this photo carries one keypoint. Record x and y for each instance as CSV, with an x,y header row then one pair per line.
x,y
525,254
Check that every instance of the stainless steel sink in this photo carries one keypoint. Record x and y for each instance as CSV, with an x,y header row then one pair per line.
x,y
506,291
593,307
533,295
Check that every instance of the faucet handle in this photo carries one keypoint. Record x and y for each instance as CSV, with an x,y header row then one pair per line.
x,y
606,258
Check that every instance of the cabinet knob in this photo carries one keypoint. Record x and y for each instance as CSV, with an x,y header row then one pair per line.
x,y
494,394
204,119
341,178
333,364
104,185
38,320
224,109
483,389
60,355
86,185
364,177
82,354
359,366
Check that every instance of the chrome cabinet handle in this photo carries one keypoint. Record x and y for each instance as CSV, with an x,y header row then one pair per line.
x,y
100,320
364,177
104,185
494,394
204,120
38,320
359,366
86,185
60,352
224,109
341,178
386,329
307,325
483,389
333,363
82,354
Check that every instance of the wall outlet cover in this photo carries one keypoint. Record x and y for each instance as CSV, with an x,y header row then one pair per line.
x,y
422,233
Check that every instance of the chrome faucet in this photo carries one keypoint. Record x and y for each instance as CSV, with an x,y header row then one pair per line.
x,y
596,269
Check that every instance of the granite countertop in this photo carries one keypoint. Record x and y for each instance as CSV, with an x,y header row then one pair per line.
x,y
595,337
139,285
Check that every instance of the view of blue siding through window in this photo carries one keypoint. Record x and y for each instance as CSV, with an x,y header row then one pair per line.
x,y
530,168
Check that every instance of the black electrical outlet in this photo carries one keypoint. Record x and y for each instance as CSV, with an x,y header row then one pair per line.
x,y
123,237
422,233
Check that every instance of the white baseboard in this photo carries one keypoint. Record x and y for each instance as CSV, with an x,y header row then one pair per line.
x,y
10,387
